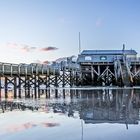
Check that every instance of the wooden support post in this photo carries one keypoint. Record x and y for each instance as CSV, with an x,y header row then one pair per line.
x,y
92,75
99,73
77,94
56,81
99,97
15,87
71,94
64,93
28,86
74,77
25,86
71,78
63,78
6,87
77,79
48,80
107,77
35,86
81,79
56,93
38,87
0,87
46,84
48,93
19,84
99,70
135,69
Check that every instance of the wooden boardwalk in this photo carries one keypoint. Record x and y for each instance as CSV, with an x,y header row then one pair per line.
x,y
33,76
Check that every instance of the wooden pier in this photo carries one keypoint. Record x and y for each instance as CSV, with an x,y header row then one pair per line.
x,y
34,76
92,68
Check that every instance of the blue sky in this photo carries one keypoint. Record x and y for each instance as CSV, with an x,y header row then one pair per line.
x,y
44,30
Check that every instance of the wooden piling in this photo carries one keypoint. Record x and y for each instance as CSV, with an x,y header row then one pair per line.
x,y
6,87
15,87
71,78
35,86
0,86
64,93
28,86
56,93
56,81
38,86
63,77
19,87
92,75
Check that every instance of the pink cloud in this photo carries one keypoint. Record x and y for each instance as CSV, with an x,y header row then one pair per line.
x,y
22,47
12,45
27,48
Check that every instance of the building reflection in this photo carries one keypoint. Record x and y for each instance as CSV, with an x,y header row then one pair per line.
x,y
111,106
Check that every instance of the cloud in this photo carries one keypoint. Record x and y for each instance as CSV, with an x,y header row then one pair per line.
x,y
50,48
50,124
22,47
99,22
12,45
27,48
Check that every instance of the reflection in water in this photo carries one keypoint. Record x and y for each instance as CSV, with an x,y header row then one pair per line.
x,y
13,105
28,125
77,114
93,106
103,106
116,106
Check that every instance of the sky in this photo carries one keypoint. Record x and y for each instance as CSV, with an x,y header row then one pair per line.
x,y
37,31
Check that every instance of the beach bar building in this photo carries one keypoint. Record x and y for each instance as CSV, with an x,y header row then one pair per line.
x,y
107,67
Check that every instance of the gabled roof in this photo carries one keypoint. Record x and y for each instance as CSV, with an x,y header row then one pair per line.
x,y
108,52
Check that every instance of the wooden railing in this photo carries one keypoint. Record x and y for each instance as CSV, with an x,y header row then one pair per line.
x,y
26,69
35,68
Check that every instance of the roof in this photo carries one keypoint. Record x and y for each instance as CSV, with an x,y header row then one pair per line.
x,y
108,52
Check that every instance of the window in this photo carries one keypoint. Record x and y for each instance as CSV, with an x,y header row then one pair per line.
x,y
103,58
88,58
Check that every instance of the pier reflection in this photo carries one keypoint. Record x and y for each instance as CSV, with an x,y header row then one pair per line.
x,y
92,106
111,106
